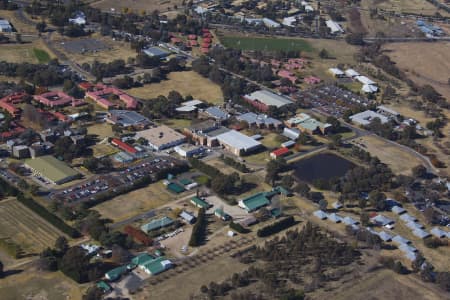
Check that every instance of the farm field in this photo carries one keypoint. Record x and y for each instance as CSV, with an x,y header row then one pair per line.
x,y
407,6
136,5
399,160
135,202
267,44
383,284
424,63
25,228
186,83
33,284
34,52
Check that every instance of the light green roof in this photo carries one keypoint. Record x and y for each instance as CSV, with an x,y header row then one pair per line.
x,y
141,259
185,181
51,168
156,224
199,202
256,201
282,190
104,286
176,188
116,273
156,265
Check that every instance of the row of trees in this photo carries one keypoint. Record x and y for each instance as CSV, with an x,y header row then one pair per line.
x,y
276,227
199,229
235,164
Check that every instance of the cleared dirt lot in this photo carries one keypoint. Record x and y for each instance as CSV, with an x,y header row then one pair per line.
x,y
400,161
25,228
186,83
424,63
135,202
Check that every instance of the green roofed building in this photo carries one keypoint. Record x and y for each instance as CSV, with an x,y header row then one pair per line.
x,y
156,266
221,214
52,169
254,202
185,181
200,203
115,274
157,224
141,259
104,286
175,188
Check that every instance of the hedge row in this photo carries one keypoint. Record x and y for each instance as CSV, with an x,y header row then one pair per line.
x,y
198,231
238,227
276,227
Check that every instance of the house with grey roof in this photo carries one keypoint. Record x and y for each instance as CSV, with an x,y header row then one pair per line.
x,y
398,210
217,113
398,239
349,221
333,217
414,225
407,218
320,214
259,120
384,236
381,220
421,233
439,233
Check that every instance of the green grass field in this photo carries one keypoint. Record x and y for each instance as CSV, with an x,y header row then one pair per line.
x,y
42,56
265,44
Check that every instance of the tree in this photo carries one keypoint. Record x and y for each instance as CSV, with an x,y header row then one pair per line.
x,y
377,200
1,270
287,182
93,293
41,26
324,54
75,264
323,204
61,244
419,171
364,218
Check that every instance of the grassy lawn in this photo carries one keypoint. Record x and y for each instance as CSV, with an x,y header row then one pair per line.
x,y
177,123
42,56
135,202
186,83
267,44
260,158
102,130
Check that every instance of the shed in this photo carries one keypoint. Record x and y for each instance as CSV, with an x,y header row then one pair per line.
x,y
288,144
115,273
104,286
398,210
156,224
386,237
187,217
407,218
200,203
398,239
334,218
439,233
337,205
220,213
421,233
381,220
414,225
176,188
407,248
349,221
320,214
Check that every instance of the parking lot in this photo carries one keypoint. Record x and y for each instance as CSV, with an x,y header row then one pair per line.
x,y
81,46
234,211
331,99
88,190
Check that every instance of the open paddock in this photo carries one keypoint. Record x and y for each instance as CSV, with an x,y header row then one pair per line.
x,y
35,52
424,63
399,160
265,44
32,284
25,228
186,83
136,202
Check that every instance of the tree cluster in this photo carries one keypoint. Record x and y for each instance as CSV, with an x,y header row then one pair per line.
x,y
199,229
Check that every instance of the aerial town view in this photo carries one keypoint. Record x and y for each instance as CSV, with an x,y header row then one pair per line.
x,y
225,149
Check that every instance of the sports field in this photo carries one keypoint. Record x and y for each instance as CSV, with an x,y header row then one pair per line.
x,y
265,44
25,228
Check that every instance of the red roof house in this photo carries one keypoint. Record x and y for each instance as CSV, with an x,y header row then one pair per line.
x,y
123,146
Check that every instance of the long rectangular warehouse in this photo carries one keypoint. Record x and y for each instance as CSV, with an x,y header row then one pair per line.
x,y
52,169
237,143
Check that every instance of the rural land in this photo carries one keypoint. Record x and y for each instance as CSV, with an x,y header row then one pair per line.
x,y
233,149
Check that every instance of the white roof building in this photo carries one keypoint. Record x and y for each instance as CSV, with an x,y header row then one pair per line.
x,y
320,214
268,98
365,80
366,117
5,26
408,218
369,89
270,23
237,143
335,28
351,73
336,72
439,233
291,21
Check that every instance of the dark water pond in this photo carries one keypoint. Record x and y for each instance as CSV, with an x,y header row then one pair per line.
x,y
322,166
